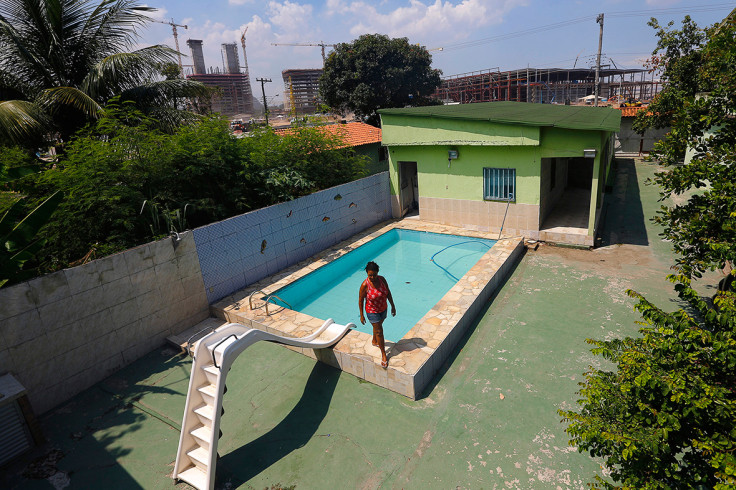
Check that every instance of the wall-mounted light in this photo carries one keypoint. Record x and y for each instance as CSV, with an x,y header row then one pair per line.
x,y
589,153
451,155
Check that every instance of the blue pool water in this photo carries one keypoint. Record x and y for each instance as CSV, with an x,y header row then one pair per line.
x,y
403,256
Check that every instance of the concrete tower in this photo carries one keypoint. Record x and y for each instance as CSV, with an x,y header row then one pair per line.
x,y
230,60
195,46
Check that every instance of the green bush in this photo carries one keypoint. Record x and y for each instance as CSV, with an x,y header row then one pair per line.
x,y
127,183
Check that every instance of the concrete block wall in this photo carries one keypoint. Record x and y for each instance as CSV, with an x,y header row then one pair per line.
x,y
629,142
64,332
244,249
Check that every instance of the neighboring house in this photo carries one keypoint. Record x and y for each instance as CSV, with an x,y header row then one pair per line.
x,y
631,143
363,138
538,170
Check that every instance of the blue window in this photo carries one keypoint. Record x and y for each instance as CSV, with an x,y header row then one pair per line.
x,y
499,184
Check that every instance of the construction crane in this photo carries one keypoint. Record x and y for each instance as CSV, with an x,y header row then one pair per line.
x,y
176,40
245,58
323,45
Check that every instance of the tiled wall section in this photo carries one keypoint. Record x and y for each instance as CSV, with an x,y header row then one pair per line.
x,y
244,249
521,219
61,333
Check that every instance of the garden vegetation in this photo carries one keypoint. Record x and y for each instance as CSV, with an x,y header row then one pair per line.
x,y
126,182
664,415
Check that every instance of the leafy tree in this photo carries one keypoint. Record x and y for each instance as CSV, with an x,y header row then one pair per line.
x,y
698,102
18,232
128,182
677,58
170,70
299,162
61,60
665,416
377,72
105,173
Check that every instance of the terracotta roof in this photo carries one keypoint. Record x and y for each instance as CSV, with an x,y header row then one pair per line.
x,y
353,133
630,111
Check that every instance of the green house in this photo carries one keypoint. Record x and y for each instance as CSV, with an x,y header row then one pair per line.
x,y
536,170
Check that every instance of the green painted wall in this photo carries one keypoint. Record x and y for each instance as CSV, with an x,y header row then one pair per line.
x,y
409,131
463,180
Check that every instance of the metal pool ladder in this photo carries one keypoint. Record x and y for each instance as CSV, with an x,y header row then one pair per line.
x,y
267,300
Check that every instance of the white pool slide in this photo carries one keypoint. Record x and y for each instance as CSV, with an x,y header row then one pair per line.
x,y
214,354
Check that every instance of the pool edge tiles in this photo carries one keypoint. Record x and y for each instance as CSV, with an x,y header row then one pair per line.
x,y
416,358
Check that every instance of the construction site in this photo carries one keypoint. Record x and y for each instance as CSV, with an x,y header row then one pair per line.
x,y
235,95
616,86
548,86
301,87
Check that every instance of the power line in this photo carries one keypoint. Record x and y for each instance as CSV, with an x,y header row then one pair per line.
x,y
503,37
673,10
587,18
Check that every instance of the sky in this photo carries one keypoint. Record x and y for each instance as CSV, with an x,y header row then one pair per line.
x,y
474,35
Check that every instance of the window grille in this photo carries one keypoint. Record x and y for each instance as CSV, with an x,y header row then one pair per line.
x,y
499,184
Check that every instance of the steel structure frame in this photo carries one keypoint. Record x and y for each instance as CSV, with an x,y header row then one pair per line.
x,y
548,85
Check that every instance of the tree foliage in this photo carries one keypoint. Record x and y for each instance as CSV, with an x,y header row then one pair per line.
x,y
62,60
665,415
698,102
377,72
127,182
18,231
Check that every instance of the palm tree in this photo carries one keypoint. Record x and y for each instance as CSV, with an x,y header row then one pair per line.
x,y
62,60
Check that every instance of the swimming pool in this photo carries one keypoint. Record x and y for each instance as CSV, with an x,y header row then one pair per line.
x,y
420,267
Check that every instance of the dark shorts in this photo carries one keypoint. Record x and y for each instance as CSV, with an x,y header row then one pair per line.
x,y
377,317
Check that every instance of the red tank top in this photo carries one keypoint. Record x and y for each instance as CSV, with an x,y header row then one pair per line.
x,y
375,298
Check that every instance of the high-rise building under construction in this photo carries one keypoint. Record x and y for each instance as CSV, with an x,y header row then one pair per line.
x,y
302,90
236,96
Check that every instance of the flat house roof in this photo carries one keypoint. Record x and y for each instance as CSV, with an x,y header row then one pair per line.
x,y
521,113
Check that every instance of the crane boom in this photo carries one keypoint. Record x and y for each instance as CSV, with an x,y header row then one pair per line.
x,y
176,40
322,45
245,58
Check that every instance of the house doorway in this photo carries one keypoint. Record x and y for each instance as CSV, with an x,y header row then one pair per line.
x,y
565,195
409,191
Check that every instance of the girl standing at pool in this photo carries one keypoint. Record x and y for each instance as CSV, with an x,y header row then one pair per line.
x,y
374,291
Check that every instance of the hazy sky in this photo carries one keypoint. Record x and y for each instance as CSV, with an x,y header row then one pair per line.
x,y
474,34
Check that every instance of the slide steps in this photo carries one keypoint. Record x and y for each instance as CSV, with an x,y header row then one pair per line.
x,y
196,456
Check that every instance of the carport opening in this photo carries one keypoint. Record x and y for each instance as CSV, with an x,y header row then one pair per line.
x,y
565,194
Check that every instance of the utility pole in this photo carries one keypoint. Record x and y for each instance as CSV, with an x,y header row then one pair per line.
x,y
263,91
599,20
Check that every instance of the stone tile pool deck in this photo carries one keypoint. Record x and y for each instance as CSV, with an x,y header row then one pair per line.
x,y
418,356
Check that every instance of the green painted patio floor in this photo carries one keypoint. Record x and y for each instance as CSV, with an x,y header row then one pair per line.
x,y
487,421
